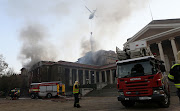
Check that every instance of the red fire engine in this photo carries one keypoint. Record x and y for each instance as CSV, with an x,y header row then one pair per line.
x,y
142,79
46,89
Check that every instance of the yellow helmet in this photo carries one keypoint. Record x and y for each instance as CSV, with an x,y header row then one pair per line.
x,y
76,82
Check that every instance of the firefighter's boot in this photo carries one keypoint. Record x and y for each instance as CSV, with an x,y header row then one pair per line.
x,y
78,106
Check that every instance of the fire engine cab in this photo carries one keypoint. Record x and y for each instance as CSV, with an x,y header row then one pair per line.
x,y
141,77
46,89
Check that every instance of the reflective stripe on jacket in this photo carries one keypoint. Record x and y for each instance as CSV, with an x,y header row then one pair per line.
x,y
174,65
75,90
177,85
171,76
174,75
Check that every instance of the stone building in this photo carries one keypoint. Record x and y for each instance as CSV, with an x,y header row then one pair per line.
x,y
68,72
162,36
163,39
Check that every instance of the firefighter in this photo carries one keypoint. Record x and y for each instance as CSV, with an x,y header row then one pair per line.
x,y
76,94
137,70
174,74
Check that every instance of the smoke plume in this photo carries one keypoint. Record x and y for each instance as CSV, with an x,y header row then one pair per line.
x,y
35,46
93,58
68,21
110,14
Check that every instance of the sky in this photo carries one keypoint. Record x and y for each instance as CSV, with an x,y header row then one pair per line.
x,y
53,30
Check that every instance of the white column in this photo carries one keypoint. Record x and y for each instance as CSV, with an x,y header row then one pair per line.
x,y
161,51
100,77
149,49
77,75
105,76
94,77
89,77
70,77
84,77
173,44
111,77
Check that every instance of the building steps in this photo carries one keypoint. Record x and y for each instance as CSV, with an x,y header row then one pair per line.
x,y
109,90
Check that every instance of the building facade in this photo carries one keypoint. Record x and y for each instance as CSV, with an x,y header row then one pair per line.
x,y
69,72
162,36
163,39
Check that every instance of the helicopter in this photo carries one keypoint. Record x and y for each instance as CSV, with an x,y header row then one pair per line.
x,y
91,16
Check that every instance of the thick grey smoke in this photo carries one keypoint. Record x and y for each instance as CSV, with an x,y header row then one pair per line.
x,y
94,58
110,14
35,46
88,45
67,15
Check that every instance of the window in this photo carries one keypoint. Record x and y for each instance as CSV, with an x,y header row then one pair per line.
x,y
134,69
59,69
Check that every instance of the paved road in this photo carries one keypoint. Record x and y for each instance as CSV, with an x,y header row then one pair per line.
x,y
87,103
111,104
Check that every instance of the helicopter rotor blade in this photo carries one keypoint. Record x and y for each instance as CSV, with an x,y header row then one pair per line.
x,y
88,9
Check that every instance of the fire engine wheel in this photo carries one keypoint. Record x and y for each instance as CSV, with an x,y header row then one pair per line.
x,y
49,95
166,101
33,96
128,103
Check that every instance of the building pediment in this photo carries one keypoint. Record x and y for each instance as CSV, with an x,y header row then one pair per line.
x,y
151,32
156,28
